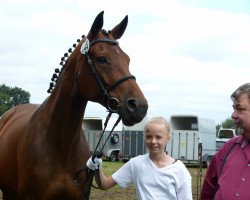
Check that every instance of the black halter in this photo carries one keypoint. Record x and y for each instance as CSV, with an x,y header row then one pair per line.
x,y
112,102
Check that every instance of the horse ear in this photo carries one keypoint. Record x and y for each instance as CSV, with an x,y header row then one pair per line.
x,y
97,25
119,29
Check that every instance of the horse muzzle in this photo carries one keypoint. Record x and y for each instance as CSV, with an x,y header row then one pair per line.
x,y
132,111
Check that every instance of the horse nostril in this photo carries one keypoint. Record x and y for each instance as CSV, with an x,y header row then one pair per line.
x,y
132,104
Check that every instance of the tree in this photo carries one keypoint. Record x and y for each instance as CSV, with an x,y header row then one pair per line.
x,y
228,123
10,97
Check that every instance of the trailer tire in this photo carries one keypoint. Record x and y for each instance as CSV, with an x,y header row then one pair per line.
x,y
114,138
113,156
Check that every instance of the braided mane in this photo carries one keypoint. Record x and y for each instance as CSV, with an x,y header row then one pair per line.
x,y
63,62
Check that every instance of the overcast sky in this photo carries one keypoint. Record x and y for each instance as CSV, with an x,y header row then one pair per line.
x,y
188,55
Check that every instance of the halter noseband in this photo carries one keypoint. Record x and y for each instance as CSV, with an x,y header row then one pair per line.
x,y
112,102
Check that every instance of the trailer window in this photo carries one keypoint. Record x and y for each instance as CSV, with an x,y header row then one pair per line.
x,y
184,123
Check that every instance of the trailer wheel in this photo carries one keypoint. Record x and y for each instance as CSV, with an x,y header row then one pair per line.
x,y
113,156
115,138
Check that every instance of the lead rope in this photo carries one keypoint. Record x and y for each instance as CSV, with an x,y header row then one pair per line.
x,y
90,173
99,154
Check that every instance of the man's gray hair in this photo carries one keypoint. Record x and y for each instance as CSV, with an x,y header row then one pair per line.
x,y
243,89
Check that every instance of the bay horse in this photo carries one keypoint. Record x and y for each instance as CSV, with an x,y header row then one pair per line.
x,y
43,146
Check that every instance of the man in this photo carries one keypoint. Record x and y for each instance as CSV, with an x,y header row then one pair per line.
x,y
228,174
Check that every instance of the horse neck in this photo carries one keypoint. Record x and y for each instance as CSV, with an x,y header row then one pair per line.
x,y
65,108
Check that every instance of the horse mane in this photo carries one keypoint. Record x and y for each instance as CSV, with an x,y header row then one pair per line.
x,y
63,62
57,71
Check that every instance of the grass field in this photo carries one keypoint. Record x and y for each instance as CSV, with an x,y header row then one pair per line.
x,y
129,193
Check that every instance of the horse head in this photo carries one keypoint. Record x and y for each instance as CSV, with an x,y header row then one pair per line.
x,y
107,71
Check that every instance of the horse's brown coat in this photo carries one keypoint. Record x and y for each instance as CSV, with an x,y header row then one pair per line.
x,y
42,146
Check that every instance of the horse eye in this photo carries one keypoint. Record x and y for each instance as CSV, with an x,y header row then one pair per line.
x,y
101,60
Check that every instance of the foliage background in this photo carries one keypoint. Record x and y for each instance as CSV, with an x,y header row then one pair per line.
x,y
12,96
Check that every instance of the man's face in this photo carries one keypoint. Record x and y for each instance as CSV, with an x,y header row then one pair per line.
x,y
241,115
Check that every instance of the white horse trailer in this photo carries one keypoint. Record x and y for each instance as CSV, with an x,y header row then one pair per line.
x,y
187,132
133,143
93,127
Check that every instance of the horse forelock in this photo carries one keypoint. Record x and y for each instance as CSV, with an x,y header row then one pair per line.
x,y
105,33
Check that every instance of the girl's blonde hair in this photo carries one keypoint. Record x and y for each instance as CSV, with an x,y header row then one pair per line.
x,y
158,120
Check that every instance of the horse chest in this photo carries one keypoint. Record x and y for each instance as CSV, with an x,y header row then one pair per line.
x,y
62,191
58,187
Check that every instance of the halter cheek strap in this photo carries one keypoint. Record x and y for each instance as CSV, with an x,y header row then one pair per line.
x,y
112,105
112,102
